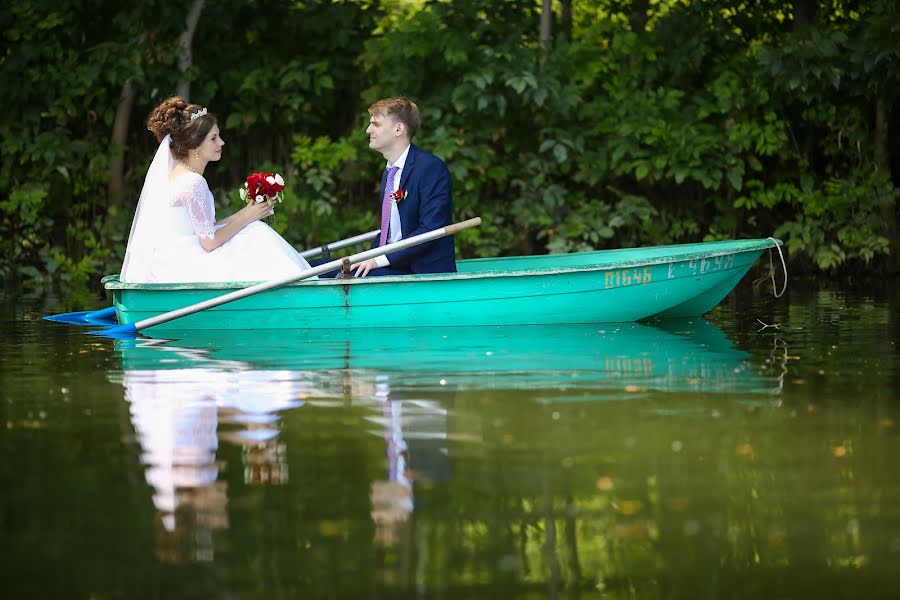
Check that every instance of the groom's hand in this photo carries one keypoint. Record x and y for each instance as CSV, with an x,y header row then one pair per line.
x,y
362,269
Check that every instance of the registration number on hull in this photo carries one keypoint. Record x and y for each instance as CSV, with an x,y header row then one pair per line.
x,y
625,277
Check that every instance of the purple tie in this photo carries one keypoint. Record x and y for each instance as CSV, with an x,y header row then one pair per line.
x,y
386,205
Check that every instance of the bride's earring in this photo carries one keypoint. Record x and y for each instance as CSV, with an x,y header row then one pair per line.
x,y
197,154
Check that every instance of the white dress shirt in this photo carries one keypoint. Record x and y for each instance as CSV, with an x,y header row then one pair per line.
x,y
396,231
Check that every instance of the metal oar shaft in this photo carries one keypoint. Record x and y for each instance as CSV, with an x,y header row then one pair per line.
x,y
305,274
351,241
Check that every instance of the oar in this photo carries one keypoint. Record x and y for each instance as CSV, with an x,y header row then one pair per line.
x,y
107,316
104,316
132,328
350,241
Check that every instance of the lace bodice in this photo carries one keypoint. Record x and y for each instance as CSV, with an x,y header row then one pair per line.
x,y
191,191
174,214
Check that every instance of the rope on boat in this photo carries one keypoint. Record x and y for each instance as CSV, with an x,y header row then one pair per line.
x,y
772,268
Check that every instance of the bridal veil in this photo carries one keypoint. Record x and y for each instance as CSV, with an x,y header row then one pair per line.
x,y
149,228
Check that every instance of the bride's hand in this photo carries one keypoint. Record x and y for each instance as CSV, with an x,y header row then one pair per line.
x,y
255,211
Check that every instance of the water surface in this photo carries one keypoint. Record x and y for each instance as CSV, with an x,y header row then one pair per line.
x,y
744,455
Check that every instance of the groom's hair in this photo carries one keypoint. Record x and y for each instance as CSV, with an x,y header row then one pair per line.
x,y
401,110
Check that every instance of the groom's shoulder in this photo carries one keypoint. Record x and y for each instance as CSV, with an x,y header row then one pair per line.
x,y
425,157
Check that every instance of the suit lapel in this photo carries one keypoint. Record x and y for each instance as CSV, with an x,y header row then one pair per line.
x,y
403,207
409,165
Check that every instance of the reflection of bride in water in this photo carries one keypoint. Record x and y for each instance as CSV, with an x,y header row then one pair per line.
x,y
177,414
181,414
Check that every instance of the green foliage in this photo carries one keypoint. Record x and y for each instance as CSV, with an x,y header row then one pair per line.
x,y
22,219
329,177
653,122
841,221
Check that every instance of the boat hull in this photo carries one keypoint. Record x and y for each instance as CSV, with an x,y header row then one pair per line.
x,y
590,287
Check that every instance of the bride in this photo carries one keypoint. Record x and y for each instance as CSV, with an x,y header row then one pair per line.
x,y
175,237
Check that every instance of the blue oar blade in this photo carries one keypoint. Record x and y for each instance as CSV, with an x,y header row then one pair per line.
x,y
119,332
105,316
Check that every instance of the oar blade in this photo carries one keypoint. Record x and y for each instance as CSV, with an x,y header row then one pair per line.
x,y
106,316
119,332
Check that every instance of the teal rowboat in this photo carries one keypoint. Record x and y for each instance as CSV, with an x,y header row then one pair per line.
x,y
585,287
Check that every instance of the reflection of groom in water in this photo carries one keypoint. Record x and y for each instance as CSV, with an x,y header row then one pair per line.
x,y
415,195
415,432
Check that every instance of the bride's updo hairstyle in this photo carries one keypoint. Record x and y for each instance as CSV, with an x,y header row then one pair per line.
x,y
173,117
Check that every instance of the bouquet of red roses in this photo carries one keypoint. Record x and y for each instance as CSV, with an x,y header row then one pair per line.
x,y
263,187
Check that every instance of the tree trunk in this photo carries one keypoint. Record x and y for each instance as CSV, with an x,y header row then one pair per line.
x,y
565,20
546,21
185,56
546,28
804,13
883,163
639,15
638,22
882,124
116,181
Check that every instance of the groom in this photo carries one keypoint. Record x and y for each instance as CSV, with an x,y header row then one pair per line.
x,y
415,195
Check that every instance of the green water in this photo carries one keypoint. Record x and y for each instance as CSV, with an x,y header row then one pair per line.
x,y
713,458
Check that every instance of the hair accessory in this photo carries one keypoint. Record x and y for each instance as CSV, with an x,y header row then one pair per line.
x,y
198,114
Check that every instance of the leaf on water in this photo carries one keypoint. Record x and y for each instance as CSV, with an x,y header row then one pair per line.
x,y
605,484
628,507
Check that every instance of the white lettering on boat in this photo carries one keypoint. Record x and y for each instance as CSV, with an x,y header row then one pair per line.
x,y
626,277
689,268
705,265
637,366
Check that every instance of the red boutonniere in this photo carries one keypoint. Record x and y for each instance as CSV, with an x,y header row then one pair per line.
x,y
399,195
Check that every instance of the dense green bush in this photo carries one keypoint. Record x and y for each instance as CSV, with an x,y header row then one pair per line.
x,y
636,123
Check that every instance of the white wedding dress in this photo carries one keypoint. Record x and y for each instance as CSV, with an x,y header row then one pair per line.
x,y
174,213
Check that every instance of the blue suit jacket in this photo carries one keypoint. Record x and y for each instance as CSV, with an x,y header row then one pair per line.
x,y
427,206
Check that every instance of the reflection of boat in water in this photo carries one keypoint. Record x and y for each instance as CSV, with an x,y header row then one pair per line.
x,y
674,355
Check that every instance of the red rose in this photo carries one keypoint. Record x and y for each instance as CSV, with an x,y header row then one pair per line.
x,y
255,184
